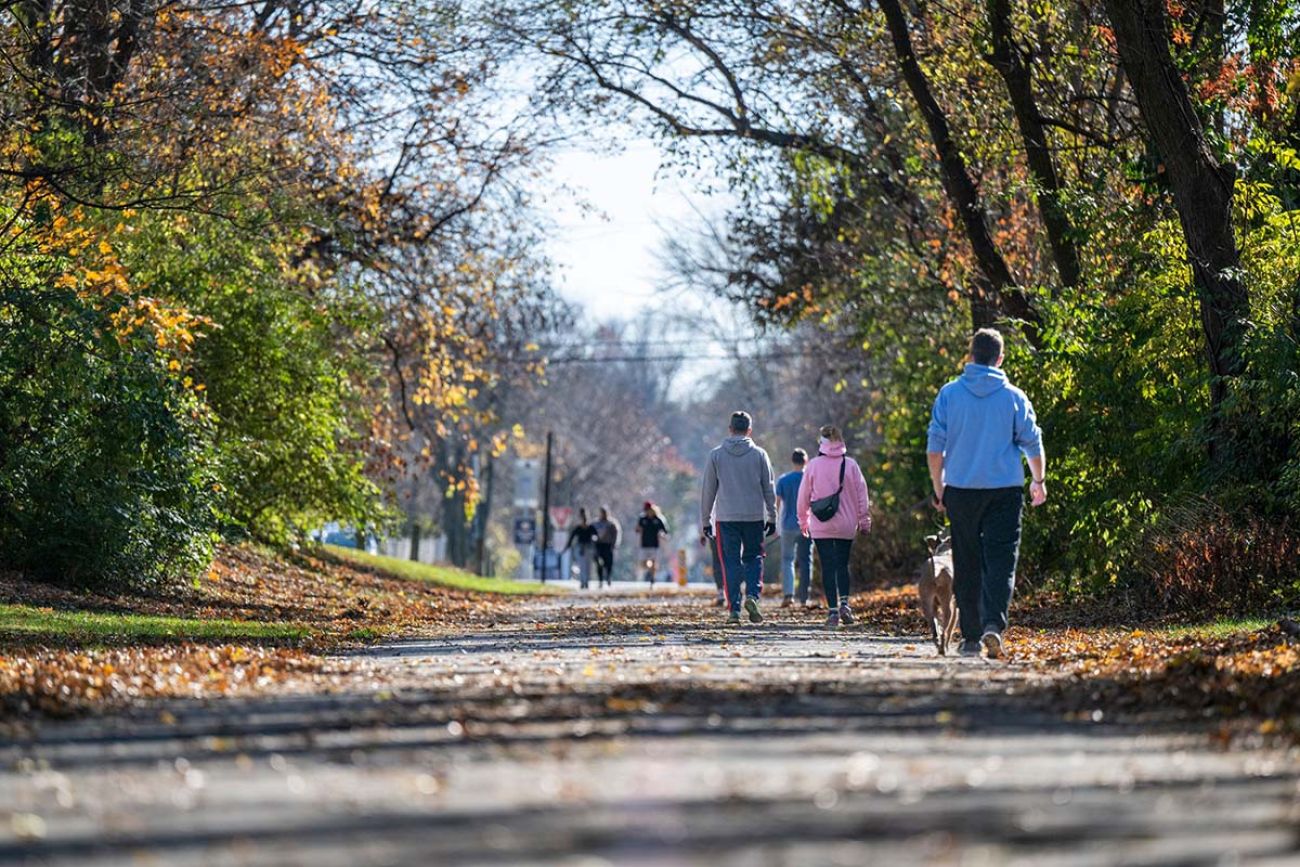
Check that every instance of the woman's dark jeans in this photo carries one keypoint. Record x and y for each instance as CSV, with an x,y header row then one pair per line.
x,y
834,554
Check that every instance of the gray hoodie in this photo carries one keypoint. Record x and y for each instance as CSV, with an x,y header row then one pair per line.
x,y
737,483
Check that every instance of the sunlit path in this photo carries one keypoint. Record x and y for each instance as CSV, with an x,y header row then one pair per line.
x,y
633,730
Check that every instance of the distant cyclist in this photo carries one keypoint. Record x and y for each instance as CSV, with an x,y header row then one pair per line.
x,y
653,529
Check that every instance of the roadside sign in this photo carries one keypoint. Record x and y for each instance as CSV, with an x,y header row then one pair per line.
x,y
525,531
528,481
560,516
546,564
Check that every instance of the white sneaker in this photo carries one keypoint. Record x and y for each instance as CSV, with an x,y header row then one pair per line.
x,y
992,641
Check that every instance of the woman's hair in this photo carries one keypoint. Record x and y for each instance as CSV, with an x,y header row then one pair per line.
x,y
832,433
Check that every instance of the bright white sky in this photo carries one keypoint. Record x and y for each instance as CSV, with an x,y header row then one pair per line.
x,y
611,214
609,254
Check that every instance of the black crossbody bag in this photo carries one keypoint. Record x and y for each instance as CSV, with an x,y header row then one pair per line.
x,y
824,509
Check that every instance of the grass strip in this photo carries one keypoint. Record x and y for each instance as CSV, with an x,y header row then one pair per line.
x,y
26,622
1224,627
446,576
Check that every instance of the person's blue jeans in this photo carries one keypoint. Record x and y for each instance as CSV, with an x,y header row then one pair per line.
x,y
796,552
985,547
741,546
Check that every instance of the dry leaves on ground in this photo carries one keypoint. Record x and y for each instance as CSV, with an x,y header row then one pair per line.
x,y
335,602
64,682
1250,677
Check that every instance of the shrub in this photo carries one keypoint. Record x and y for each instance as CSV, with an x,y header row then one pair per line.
x,y
1202,558
102,447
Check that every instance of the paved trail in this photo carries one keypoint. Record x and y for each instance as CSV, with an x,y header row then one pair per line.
x,y
633,731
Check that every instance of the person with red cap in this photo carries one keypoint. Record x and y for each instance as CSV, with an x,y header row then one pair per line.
x,y
653,529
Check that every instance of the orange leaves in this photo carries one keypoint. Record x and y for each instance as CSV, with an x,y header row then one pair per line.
x,y
63,682
173,329
1251,676
338,602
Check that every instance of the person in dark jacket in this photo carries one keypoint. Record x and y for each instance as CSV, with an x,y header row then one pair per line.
x,y
582,540
608,533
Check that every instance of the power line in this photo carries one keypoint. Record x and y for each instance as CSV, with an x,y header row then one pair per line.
x,y
648,359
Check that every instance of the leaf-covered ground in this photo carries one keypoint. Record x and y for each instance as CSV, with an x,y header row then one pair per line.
x,y
255,622
1243,676
633,728
259,622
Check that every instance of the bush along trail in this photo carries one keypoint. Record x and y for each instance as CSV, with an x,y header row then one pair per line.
x,y
256,621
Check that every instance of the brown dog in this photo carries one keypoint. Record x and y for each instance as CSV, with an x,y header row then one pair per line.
x,y
935,590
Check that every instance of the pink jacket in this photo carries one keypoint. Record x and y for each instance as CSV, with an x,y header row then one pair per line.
x,y
820,479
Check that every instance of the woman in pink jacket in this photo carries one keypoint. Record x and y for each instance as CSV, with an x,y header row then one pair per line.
x,y
834,536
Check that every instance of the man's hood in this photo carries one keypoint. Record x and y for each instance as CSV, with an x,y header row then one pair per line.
x,y
738,446
982,380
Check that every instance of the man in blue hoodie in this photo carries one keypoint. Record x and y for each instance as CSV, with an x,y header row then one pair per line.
x,y
980,426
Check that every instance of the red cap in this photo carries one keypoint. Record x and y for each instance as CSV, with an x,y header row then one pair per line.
x,y
647,505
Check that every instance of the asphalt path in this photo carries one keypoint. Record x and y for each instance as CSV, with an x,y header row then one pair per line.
x,y
629,729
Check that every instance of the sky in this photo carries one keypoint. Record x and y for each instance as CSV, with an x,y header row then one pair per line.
x,y
611,213
609,253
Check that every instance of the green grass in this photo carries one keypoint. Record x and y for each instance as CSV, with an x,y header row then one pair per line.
x,y
1221,628
447,576
45,624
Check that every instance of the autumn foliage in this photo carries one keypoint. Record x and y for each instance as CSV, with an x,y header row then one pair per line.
x,y
239,243
1114,184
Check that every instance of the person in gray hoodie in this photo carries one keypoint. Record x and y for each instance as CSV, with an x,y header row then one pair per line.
x,y
738,492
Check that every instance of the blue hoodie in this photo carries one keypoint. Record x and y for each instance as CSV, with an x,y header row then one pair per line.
x,y
981,423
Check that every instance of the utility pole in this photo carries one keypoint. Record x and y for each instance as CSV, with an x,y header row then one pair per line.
x,y
483,515
546,504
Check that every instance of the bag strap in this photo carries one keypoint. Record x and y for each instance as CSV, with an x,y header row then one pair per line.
x,y
843,460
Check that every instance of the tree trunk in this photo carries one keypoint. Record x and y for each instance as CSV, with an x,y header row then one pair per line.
x,y
483,517
997,290
1010,63
450,469
415,540
1202,190
456,527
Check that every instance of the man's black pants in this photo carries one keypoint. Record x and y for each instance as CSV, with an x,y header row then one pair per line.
x,y
604,563
985,546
